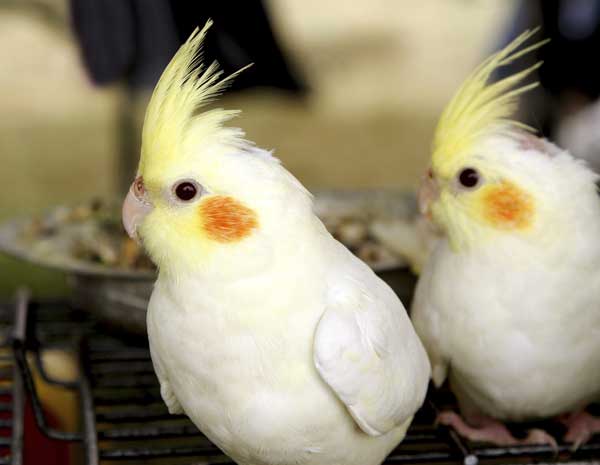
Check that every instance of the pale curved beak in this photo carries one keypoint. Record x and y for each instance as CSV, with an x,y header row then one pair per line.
x,y
429,191
133,213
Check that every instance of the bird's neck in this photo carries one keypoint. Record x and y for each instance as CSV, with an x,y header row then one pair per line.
x,y
290,268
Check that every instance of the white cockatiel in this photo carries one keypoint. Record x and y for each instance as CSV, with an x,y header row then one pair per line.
x,y
508,305
279,344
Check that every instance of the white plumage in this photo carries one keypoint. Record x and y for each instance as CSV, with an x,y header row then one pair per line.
x,y
278,343
514,318
274,364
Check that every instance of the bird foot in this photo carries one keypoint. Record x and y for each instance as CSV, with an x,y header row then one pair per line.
x,y
493,431
581,427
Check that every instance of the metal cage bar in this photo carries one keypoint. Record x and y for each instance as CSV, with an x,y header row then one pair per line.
x,y
125,420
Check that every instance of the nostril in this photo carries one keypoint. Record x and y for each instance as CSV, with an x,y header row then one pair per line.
x,y
138,187
430,173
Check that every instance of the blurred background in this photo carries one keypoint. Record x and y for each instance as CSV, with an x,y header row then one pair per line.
x,y
346,93
367,81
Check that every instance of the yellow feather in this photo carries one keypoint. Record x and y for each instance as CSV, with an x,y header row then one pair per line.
x,y
479,108
172,126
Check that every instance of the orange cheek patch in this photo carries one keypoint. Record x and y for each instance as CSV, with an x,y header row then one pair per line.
x,y
224,219
506,206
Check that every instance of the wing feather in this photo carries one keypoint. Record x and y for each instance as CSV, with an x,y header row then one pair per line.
x,y
367,351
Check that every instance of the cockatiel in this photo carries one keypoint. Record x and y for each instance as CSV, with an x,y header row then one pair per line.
x,y
279,344
508,305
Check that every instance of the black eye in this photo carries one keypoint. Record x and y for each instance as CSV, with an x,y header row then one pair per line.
x,y
468,177
186,191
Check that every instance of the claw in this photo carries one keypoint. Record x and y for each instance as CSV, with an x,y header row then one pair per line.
x,y
539,436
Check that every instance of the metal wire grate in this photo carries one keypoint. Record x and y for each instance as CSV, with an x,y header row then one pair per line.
x,y
125,421
11,398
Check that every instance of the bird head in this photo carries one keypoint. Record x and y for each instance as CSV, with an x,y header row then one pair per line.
x,y
491,176
204,198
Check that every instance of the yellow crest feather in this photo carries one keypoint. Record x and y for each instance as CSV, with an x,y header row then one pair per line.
x,y
172,126
479,108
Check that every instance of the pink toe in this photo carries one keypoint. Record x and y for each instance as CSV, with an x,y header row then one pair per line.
x,y
581,427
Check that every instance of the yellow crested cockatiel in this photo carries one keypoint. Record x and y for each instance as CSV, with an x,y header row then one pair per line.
x,y
508,304
279,344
